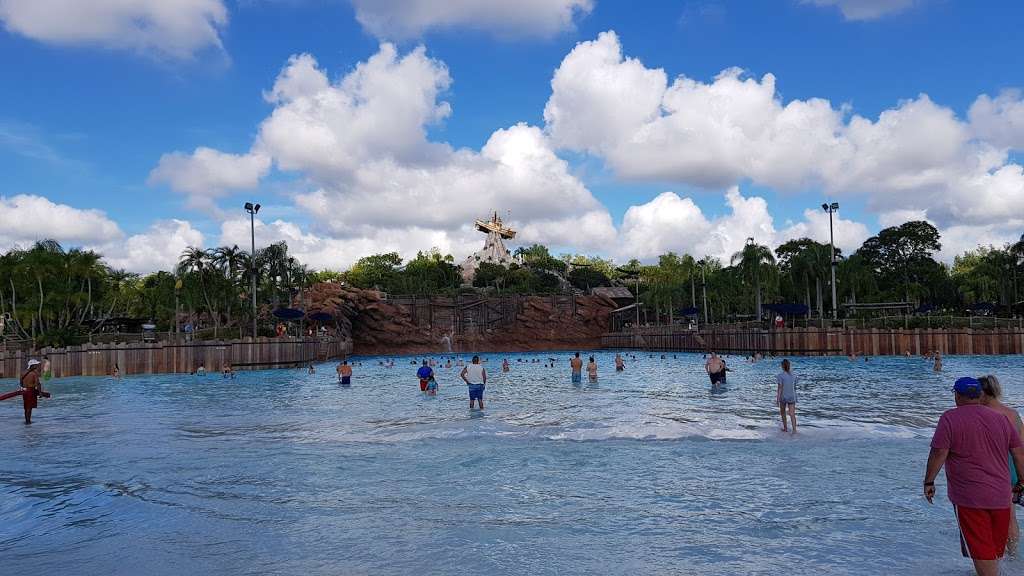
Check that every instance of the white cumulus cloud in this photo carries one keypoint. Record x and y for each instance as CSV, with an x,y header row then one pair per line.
x,y
399,19
207,173
915,156
999,120
361,144
27,218
167,28
158,248
670,222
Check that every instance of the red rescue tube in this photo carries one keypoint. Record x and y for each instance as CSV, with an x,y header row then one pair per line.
x,y
11,394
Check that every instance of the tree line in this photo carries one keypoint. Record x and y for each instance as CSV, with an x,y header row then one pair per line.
x,y
56,296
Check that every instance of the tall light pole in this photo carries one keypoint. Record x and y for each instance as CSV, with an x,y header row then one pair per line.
x,y
704,293
253,209
832,209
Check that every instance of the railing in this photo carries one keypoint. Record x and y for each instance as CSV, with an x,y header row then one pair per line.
x,y
162,357
873,341
898,321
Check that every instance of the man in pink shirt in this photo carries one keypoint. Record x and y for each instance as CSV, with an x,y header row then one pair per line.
x,y
973,441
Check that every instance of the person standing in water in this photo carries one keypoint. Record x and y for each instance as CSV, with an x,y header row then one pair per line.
x,y
620,365
576,365
30,391
991,396
344,373
425,373
475,377
972,442
504,366
785,396
715,367
937,367
592,370
46,370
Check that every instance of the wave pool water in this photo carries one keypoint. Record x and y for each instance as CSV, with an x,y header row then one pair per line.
x,y
644,472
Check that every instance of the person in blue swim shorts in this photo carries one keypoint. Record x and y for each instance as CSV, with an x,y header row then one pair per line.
x,y
576,364
475,377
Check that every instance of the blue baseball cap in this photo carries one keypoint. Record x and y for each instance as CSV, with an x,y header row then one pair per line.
x,y
967,386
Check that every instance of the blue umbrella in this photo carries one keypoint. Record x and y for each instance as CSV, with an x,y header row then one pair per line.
x,y
320,316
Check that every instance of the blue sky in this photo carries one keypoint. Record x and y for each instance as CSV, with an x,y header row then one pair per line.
x,y
84,122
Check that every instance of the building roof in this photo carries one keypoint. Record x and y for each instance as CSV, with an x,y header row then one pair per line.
x,y
613,292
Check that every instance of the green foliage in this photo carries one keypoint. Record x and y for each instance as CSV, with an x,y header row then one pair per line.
x,y
515,279
374,271
325,276
901,257
427,273
585,278
56,296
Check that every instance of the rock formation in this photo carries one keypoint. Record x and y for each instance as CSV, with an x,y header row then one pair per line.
x,y
377,326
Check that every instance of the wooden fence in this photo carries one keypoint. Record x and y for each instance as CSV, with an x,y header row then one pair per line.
x,y
161,357
827,341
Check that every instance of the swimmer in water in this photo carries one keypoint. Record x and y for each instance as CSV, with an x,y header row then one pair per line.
x,y
785,396
504,366
228,371
620,365
201,371
116,373
592,370
576,366
937,367
432,386
344,373
312,369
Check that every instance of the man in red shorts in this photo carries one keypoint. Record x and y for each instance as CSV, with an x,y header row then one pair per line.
x,y
425,373
973,442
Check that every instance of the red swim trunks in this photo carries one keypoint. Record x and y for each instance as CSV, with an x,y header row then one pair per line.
x,y
983,532
30,397
423,385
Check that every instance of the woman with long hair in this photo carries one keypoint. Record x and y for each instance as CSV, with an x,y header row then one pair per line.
x,y
992,397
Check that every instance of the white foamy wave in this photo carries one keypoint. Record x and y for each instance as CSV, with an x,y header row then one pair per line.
x,y
654,430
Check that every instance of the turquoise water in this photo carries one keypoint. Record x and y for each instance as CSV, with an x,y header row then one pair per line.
x,y
645,472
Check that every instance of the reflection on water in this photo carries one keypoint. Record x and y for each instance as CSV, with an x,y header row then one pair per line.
x,y
645,471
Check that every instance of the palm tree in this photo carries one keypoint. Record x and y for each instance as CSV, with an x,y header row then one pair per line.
x,y
231,261
197,260
1017,253
754,261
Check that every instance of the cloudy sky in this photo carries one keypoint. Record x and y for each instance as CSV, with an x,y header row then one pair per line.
x,y
139,127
